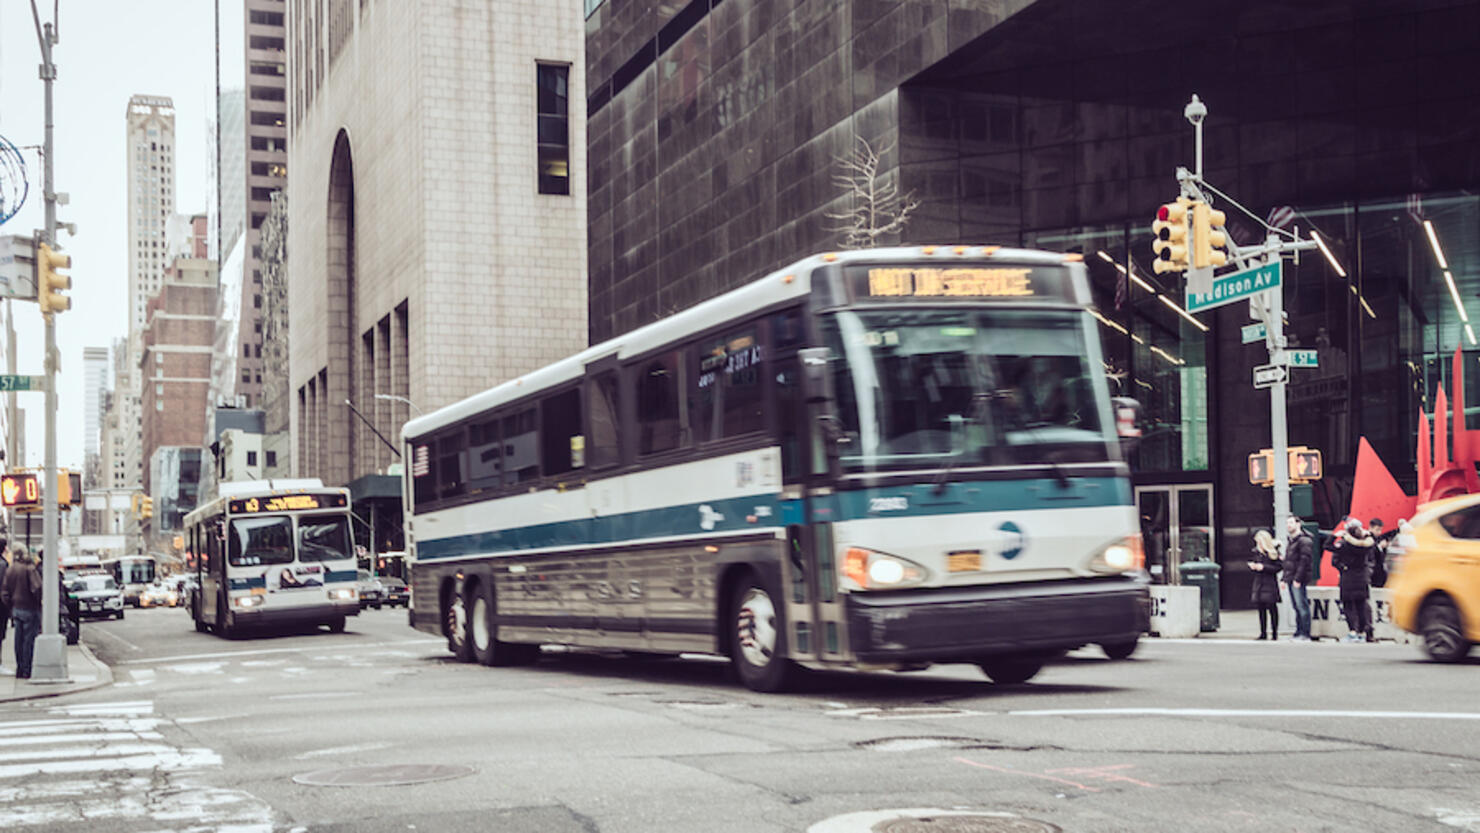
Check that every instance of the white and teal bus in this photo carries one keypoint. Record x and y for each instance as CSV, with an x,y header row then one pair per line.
x,y
272,552
875,459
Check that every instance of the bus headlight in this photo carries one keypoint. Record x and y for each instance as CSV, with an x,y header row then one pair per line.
x,y
868,570
342,593
1123,556
247,601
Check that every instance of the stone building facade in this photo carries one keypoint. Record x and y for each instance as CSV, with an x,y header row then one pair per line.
x,y
424,261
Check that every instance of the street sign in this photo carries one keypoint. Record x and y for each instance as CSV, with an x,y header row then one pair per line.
x,y
17,267
1235,286
1253,333
1269,375
1302,358
10,382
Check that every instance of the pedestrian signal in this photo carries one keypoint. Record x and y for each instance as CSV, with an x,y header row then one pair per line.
x,y
1261,468
20,491
1305,465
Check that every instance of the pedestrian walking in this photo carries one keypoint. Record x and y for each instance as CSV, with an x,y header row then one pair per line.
x,y
21,592
1300,555
1265,565
4,608
1352,556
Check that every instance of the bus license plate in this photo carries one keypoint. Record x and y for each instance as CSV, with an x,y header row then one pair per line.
x,y
964,561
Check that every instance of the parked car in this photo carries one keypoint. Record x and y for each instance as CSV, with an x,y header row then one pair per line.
x,y
159,595
394,591
1435,578
370,591
97,595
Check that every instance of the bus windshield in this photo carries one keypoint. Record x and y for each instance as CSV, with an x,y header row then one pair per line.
x,y
927,388
324,538
260,540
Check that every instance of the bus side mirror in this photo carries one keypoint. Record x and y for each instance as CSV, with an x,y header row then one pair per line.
x,y
816,378
1127,413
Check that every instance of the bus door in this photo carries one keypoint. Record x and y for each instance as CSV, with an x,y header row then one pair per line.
x,y
810,537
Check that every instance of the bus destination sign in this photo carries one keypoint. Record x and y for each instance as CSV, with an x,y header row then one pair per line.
x,y
965,283
285,503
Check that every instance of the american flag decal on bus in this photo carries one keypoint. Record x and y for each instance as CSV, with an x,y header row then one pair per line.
x,y
422,465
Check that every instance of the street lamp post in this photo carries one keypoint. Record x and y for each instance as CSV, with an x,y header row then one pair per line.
x,y
392,397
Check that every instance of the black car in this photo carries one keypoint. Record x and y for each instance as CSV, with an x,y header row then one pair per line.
x,y
394,591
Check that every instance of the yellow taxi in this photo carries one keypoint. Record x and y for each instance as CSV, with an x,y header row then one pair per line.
x,y
1435,579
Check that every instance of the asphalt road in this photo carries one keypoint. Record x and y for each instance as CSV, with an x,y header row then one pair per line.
x,y
199,733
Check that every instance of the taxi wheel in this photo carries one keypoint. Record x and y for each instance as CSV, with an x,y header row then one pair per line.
x,y
1120,650
1011,669
1443,637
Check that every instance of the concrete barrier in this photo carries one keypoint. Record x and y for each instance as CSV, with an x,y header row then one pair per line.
x,y
1174,611
1327,620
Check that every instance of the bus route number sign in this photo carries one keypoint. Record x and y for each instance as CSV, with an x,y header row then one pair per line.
x,y
284,503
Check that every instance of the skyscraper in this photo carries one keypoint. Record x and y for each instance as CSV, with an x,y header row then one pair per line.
x,y
151,202
94,386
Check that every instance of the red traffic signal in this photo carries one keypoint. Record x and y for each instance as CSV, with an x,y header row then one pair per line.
x,y
20,491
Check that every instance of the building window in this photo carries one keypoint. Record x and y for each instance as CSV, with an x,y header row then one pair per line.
x,y
251,458
553,129
271,459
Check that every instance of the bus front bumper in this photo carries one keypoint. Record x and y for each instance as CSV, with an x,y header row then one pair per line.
x,y
320,614
966,623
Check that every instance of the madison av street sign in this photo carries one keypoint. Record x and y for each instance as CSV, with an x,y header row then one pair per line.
x,y
1236,286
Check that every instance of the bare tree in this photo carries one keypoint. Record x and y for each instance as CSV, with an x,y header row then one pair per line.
x,y
878,207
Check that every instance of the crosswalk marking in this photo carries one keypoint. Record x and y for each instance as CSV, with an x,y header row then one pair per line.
x,y
81,764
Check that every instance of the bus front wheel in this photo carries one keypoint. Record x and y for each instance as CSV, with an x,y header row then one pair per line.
x,y
1011,669
758,637
336,625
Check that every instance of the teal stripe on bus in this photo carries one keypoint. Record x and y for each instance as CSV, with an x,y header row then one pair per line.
x,y
688,520
247,583
341,575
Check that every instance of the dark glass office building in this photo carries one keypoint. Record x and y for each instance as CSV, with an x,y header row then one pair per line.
x,y
716,126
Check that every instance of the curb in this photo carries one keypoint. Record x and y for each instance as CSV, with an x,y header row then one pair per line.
x,y
105,678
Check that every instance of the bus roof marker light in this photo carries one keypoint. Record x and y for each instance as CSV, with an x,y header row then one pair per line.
x,y
991,250
1428,226
829,257
788,278
960,250
1327,252
929,250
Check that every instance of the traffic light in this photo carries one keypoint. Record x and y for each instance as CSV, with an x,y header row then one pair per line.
x,y
20,491
1170,244
1305,465
1261,468
1208,238
50,282
146,508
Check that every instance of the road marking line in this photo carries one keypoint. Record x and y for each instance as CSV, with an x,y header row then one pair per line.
x,y
969,762
108,633
317,695
342,750
29,740
1142,712
262,651
68,752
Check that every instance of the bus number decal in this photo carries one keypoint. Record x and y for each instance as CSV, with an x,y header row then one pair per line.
x,y
888,504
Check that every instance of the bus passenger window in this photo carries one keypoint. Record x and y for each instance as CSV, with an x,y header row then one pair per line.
x,y
560,433
521,448
484,453
603,446
657,405
729,389
451,478
424,485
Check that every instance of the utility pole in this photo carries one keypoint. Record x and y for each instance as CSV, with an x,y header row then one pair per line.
x,y
50,663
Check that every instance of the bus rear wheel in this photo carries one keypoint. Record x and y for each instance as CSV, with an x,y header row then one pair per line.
x,y
455,624
757,636
483,632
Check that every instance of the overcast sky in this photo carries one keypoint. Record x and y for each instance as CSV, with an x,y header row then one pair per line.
x,y
109,50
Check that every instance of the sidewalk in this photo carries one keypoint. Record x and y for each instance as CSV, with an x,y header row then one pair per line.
x,y
84,670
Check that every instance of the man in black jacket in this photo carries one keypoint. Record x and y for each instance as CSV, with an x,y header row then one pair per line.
x,y
21,592
1300,554
1352,556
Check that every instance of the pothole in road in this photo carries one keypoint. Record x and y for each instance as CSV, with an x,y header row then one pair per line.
x,y
386,775
932,821
912,743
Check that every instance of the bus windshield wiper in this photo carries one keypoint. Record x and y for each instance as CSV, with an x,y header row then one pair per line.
x,y
977,416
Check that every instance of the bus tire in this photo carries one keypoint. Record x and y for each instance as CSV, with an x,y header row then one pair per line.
x,y
1120,650
222,629
483,632
336,625
1443,635
757,637
1011,669
454,624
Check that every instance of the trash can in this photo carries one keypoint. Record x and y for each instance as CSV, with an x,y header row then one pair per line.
x,y
1204,576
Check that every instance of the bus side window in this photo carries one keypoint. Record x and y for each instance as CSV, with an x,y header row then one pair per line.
x,y
485,454
521,447
562,446
658,410
423,483
603,442
451,465
729,389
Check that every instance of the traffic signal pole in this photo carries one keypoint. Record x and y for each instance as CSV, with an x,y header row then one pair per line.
x,y
1274,338
50,659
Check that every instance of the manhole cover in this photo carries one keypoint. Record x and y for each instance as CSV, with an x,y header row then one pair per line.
x,y
966,824
912,743
932,820
389,775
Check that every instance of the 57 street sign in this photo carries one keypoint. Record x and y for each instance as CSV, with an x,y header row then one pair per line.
x,y
9,382
1236,286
